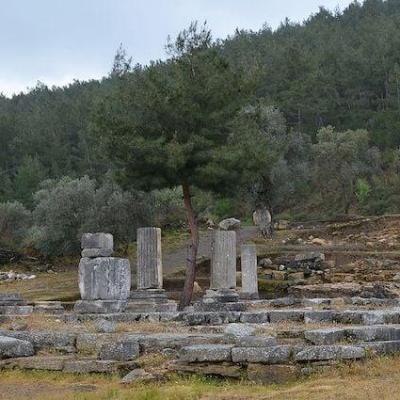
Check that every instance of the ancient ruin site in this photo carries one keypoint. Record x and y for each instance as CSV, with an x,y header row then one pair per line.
x,y
200,200
317,297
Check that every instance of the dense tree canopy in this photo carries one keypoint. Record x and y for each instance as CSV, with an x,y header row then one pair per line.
x,y
320,98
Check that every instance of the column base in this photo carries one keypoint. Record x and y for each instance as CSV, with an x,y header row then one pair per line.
x,y
150,300
220,300
99,306
248,296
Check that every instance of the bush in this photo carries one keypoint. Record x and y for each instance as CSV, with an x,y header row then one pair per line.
x,y
169,211
69,207
15,221
62,210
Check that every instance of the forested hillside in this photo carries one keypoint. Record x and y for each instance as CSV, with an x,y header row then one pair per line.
x,y
323,94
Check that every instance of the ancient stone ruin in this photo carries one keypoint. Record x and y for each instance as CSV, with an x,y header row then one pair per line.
x,y
150,295
104,281
229,331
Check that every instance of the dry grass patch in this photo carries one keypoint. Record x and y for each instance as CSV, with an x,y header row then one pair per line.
x,y
373,379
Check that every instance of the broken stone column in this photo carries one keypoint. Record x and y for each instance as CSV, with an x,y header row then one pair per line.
x,y
104,282
223,260
149,261
150,295
248,261
222,295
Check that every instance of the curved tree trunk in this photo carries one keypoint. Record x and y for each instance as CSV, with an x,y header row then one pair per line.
x,y
187,293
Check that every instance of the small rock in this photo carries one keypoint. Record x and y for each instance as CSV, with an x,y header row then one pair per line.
x,y
104,326
279,275
229,224
265,262
197,288
319,242
137,374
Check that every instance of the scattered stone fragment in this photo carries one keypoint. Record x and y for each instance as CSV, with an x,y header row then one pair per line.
x,y
137,374
105,326
229,224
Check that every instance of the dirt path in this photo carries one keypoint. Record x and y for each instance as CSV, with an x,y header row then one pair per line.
x,y
176,259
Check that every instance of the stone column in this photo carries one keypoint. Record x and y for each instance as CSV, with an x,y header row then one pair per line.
x,y
222,295
149,263
248,261
223,260
150,295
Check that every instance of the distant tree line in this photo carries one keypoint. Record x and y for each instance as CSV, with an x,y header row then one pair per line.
x,y
304,119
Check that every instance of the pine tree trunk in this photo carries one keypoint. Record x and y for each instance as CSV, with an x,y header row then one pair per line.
x,y
187,293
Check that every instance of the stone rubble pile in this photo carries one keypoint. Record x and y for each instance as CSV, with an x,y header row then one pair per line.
x,y
15,276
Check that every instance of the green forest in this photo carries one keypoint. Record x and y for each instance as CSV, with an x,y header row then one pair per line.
x,y
304,119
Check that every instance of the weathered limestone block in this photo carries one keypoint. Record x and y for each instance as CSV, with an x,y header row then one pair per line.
x,y
48,307
311,317
206,353
255,317
97,244
100,306
16,310
286,315
239,330
382,347
47,363
264,355
267,374
223,261
11,299
12,347
226,370
107,278
336,352
149,261
101,366
61,341
120,350
255,341
325,336
248,261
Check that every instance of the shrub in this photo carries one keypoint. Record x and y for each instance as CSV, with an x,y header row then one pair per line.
x,y
62,209
168,207
15,220
69,207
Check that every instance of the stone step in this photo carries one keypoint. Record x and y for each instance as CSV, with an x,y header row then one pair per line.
x,y
68,364
15,310
354,334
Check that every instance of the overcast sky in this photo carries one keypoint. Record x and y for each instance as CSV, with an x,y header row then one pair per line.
x,y
56,41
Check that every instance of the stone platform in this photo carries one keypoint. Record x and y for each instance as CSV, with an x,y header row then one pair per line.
x,y
150,300
220,300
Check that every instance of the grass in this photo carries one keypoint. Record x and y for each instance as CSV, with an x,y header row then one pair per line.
x,y
373,379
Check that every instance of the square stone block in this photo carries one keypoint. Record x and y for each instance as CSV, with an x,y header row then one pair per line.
x,y
104,278
97,241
